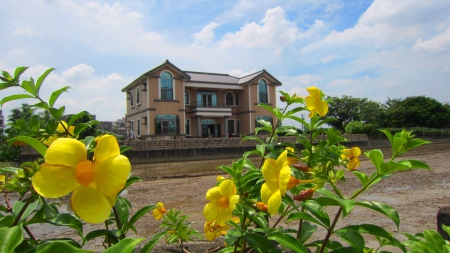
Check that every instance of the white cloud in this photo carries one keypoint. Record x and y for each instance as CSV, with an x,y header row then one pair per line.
x,y
25,30
240,72
439,43
273,32
206,35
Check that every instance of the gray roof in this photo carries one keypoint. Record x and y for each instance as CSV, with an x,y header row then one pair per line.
x,y
249,77
211,77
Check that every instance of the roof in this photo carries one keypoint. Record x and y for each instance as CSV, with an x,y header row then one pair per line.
x,y
204,77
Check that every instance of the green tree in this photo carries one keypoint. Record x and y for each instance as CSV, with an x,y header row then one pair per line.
x,y
348,109
85,117
23,112
417,111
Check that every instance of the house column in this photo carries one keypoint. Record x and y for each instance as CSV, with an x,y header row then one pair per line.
x,y
199,126
226,126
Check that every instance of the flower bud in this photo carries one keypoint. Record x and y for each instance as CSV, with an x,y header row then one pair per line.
x,y
220,178
261,206
301,167
282,98
292,183
305,195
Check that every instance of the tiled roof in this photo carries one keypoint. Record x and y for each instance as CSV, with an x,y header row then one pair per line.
x,y
211,77
249,77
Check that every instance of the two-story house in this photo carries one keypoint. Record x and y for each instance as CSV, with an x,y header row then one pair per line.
x,y
167,101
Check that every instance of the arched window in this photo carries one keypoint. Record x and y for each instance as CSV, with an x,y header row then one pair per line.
x,y
186,97
229,99
166,86
262,87
131,98
138,96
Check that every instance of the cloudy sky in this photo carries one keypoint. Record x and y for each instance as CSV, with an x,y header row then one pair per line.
x,y
375,49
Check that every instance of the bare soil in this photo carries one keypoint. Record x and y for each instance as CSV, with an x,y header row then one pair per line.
x,y
417,197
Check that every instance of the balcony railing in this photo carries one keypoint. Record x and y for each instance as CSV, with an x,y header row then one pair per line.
x,y
210,109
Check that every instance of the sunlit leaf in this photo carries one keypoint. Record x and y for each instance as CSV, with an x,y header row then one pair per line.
x,y
56,94
14,97
41,80
151,244
288,241
10,238
37,145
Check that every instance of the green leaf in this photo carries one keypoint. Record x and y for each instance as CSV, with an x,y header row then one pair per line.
x,y
378,232
19,205
415,164
288,241
122,211
37,145
347,204
317,211
59,247
399,144
259,243
127,245
446,229
260,220
10,238
253,138
6,85
435,238
30,87
304,216
7,76
97,233
416,142
391,167
352,237
383,209
44,213
14,97
389,136
56,94
41,80
68,220
139,214
131,180
150,244
307,231
363,178
376,157
18,72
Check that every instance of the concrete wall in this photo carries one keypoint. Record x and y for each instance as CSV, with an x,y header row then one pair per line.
x,y
192,149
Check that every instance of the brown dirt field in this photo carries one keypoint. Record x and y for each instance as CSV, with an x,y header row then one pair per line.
x,y
416,196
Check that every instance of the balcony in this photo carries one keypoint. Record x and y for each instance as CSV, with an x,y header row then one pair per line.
x,y
209,109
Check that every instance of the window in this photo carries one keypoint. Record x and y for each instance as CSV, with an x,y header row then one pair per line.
x,y
138,96
229,99
166,86
238,127
262,88
237,98
231,126
138,132
206,98
187,127
131,99
167,124
186,97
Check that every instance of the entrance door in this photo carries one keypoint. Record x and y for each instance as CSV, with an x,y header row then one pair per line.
x,y
211,130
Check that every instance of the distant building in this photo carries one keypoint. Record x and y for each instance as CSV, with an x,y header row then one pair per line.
x,y
119,127
2,122
167,101
106,126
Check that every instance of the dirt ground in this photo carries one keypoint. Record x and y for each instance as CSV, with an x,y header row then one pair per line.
x,y
416,196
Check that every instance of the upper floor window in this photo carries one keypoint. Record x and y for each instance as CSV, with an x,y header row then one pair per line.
x,y
138,96
229,99
166,86
131,98
186,97
262,89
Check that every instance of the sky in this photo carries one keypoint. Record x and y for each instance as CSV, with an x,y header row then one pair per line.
x,y
376,49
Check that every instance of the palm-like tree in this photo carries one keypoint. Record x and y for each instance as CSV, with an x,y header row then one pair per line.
x,y
23,112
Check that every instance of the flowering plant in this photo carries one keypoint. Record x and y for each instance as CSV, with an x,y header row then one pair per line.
x,y
296,182
93,170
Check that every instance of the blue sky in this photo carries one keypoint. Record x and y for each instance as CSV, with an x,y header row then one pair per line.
x,y
375,49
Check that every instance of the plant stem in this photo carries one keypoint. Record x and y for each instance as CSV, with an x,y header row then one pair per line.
x,y
30,234
281,217
118,222
300,224
22,211
330,230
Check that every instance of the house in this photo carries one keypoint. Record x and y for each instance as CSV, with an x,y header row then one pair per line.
x,y
2,122
167,101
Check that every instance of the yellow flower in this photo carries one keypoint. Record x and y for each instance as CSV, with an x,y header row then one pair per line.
x,y
159,211
314,102
213,230
94,184
220,178
223,200
277,174
2,182
352,156
60,129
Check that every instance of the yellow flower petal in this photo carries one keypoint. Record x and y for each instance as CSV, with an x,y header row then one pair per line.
x,y
285,174
322,108
269,170
274,203
90,204
267,190
107,147
313,91
356,151
282,161
66,152
54,181
227,188
223,215
112,174
210,211
233,201
213,194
